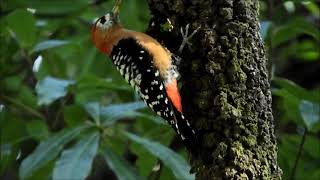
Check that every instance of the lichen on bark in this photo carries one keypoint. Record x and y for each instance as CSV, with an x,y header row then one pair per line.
x,y
225,88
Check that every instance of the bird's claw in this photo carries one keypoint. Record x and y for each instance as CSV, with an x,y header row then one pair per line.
x,y
186,37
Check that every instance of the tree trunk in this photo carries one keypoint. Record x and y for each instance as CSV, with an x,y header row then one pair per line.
x,y
225,87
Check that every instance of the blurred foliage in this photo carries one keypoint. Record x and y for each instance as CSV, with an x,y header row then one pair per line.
x,y
291,33
65,111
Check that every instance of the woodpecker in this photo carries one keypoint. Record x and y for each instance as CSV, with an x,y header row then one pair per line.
x,y
147,66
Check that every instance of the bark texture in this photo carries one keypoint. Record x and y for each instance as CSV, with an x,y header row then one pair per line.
x,y
225,87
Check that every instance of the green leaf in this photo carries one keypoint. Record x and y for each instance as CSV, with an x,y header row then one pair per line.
x,y
5,155
45,172
93,82
74,115
49,44
309,158
49,89
296,90
136,15
47,151
112,113
312,7
122,169
175,162
13,83
305,50
288,149
57,7
76,162
27,97
23,24
309,147
310,113
289,105
292,95
38,129
91,87
302,1
292,29
93,108
145,116
120,108
7,6
12,129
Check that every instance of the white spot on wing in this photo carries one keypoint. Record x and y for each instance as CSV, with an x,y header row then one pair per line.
x,y
122,66
138,79
188,123
127,77
154,82
155,102
144,97
157,73
182,137
131,82
117,58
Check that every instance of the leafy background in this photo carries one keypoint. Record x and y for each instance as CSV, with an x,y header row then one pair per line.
x,y
65,113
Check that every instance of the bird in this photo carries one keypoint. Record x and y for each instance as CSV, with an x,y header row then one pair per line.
x,y
149,67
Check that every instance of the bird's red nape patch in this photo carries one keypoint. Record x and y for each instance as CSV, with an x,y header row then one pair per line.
x,y
174,95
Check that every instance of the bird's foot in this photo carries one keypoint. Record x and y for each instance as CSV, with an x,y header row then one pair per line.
x,y
186,37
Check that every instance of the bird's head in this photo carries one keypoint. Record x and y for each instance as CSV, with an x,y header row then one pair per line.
x,y
102,27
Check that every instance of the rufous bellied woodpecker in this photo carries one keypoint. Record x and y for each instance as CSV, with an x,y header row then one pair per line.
x,y
147,66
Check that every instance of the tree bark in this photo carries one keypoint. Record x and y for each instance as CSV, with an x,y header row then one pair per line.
x,y
225,88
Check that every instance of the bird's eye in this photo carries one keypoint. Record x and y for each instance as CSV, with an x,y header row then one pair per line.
x,y
102,20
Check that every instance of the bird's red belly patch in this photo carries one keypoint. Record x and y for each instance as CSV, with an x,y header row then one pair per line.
x,y
174,95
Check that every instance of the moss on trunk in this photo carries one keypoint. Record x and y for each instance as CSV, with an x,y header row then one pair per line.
x,y
225,88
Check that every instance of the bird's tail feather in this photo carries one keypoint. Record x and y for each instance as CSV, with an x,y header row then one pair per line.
x,y
186,132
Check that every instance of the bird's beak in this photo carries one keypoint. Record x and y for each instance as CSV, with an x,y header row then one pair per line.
x,y
115,10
